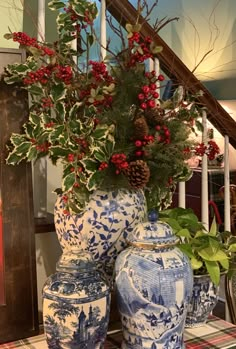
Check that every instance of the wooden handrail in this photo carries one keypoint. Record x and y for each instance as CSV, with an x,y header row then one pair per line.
x,y
124,13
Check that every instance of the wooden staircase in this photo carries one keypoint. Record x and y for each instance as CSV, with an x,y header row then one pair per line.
x,y
124,12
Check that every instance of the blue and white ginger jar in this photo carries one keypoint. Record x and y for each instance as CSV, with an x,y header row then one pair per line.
x,y
204,299
104,225
154,285
76,304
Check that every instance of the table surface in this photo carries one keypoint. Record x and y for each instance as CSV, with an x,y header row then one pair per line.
x,y
216,334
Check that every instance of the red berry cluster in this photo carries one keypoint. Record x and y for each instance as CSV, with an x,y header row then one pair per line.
x,y
71,157
142,143
120,161
41,75
47,103
212,150
24,39
47,51
163,134
103,166
49,124
140,50
149,91
99,72
73,16
43,148
64,73
82,142
88,17
134,38
200,149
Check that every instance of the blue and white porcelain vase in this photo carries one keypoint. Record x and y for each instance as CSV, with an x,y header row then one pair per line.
x,y
103,227
204,298
154,285
76,304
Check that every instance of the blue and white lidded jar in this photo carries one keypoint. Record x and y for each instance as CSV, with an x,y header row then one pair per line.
x,y
154,285
76,304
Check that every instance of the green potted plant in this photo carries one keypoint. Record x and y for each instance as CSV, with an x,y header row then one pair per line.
x,y
211,255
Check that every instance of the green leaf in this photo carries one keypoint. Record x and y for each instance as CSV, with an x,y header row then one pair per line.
x,y
232,248
61,110
23,148
74,109
14,159
35,90
28,128
78,8
90,39
12,79
172,222
58,91
8,36
95,180
32,153
186,249
56,132
57,151
110,144
34,118
210,254
89,165
100,156
56,5
224,263
195,263
214,271
213,229
155,49
68,181
184,233
17,139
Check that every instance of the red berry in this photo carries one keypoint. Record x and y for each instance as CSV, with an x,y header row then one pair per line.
x,y
161,77
138,143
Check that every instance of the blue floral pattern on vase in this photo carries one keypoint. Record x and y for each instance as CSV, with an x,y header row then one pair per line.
x,y
103,227
204,299
76,304
153,286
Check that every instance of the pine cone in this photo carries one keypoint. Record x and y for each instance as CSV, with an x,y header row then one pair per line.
x,y
140,127
138,174
154,116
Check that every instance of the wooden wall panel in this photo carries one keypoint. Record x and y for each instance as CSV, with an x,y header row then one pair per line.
x,y
18,314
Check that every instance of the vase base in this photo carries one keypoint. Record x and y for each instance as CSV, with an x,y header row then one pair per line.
x,y
125,345
197,324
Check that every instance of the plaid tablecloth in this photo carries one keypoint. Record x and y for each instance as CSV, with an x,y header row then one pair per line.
x,y
216,334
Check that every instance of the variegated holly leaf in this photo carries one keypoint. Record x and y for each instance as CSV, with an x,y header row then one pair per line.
x,y
69,181
56,5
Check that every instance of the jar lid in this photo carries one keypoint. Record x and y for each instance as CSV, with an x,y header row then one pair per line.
x,y
152,234
76,260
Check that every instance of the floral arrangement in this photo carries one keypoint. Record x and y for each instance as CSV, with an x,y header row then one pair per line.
x,y
105,121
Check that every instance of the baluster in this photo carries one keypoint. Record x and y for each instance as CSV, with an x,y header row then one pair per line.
x,y
182,195
204,189
40,166
103,34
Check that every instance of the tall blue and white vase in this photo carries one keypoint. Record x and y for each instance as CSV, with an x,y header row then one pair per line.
x,y
104,225
204,299
76,304
154,285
